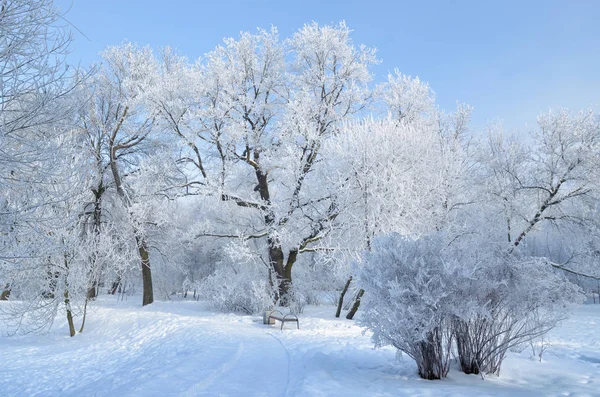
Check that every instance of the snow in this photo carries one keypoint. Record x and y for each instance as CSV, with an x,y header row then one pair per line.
x,y
182,348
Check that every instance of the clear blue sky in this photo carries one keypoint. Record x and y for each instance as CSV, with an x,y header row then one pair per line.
x,y
508,59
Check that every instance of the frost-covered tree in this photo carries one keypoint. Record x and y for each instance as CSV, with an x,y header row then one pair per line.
x,y
34,82
394,176
54,270
255,127
547,181
408,99
118,133
402,175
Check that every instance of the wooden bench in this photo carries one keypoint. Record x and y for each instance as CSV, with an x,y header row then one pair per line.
x,y
283,318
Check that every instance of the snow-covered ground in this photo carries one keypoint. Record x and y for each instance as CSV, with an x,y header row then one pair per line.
x,y
181,348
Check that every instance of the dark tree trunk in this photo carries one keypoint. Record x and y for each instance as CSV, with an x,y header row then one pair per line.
x,y
148,295
432,356
287,270
5,293
467,354
356,305
429,364
95,272
276,261
84,316
92,291
341,301
282,270
69,313
115,285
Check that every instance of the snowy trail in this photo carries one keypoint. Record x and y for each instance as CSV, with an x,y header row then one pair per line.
x,y
182,349
147,353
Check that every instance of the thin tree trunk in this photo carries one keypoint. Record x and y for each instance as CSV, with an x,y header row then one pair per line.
x,y
115,285
69,313
97,217
92,293
84,314
341,301
538,216
431,363
148,296
467,349
356,305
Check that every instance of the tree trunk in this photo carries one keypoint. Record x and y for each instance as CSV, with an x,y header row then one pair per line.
x,y
95,272
148,295
115,285
84,315
356,305
287,270
69,313
5,293
341,301
430,363
92,293
466,349
276,261
283,272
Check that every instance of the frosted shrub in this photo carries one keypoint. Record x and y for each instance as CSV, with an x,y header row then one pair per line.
x,y
314,283
407,299
422,294
295,300
512,302
244,290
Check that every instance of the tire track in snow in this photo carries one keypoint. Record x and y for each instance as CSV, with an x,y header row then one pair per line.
x,y
289,363
216,374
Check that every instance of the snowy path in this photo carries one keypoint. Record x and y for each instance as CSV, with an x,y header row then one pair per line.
x,y
147,353
182,349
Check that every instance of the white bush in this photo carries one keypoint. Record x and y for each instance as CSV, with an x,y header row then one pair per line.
x,y
240,289
407,300
421,294
509,302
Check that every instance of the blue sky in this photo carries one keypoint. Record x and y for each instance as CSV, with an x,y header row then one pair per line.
x,y
508,59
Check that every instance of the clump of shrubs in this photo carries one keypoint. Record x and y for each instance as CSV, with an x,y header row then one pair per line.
x,y
430,299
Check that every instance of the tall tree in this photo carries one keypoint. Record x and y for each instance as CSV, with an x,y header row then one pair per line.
x,y
256,128
116,128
